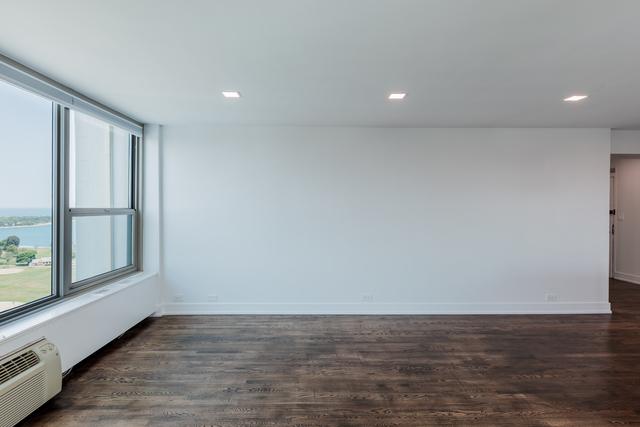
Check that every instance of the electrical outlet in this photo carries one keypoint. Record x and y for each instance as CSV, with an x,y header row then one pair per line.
x,y
212,298
551,297
178,298
367,298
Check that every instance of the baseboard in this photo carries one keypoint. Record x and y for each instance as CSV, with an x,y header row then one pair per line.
x,y
626,277
159,312
386,309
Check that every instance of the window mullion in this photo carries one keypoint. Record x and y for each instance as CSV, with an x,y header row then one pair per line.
x,y
65,216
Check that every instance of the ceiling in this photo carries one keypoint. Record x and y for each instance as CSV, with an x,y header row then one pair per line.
x,y
463,63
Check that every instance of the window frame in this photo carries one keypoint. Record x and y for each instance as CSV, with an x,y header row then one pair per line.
x,y
70,287
56,293
64,100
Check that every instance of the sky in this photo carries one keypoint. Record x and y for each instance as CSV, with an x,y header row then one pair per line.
x,y
25,149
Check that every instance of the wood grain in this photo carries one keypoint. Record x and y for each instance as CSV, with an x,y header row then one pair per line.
x,y
570,370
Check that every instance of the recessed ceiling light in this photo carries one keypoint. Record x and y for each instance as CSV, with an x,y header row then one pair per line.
x,y
576,98
398,95
231,94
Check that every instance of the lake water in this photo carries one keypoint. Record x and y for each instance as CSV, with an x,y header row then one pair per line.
x,y
36,236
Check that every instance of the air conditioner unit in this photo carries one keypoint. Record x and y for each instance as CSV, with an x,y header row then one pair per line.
x,y
29,377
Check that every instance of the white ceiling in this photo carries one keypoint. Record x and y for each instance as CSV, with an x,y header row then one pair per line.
x,y
332,62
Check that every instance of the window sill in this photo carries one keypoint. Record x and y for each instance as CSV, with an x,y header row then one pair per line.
x,y
55,311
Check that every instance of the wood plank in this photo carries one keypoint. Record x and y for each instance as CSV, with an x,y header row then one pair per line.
x,y
570,370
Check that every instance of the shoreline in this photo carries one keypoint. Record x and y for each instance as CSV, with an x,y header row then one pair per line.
x,y
25,226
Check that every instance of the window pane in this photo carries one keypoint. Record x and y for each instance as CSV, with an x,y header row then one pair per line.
x,y
99,163
100,244
25,197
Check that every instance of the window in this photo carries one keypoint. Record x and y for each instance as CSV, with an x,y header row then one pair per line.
x,y
69,217
26,207
99,164
102,199
101,244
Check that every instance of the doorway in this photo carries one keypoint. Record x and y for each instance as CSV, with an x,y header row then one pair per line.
x,y
612,221
624,218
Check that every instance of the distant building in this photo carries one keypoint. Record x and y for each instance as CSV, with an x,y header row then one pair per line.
x,y
41,262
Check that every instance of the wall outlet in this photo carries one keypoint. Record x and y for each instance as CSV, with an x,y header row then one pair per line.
x,y
367,298
212,298
178,298
551,297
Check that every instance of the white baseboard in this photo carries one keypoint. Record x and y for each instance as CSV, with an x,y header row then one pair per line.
x,y
159,312
627,277
386,309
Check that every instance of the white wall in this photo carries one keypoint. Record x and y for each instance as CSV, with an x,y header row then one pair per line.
x,y
625,142
382,220
627,233
151,198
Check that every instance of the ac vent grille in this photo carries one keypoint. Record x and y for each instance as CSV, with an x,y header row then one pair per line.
x,y
17,365
22,400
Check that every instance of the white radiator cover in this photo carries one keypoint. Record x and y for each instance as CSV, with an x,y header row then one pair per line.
x,y
30,376
83,324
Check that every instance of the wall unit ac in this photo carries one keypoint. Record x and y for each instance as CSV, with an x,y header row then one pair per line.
x,y
29,377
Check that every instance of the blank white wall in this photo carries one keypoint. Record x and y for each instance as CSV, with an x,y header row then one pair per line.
x,y
627,235
150,199
625,142
318,220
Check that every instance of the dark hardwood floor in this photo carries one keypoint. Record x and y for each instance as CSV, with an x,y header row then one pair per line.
x,y
572,370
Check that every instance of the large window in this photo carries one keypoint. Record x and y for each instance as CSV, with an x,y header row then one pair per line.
x,y
26,208
69,215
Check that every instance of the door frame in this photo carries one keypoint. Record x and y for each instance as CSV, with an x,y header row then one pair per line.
x,y
613,201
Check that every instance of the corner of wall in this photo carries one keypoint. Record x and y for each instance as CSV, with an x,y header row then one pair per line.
x,y
152,208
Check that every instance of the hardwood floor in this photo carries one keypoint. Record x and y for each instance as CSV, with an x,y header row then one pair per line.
x,y
572,370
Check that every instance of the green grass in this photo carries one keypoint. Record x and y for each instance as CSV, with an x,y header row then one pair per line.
x,y
30,284
43,252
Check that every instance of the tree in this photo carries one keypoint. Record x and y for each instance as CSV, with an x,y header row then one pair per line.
x,y
12,240
24,258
